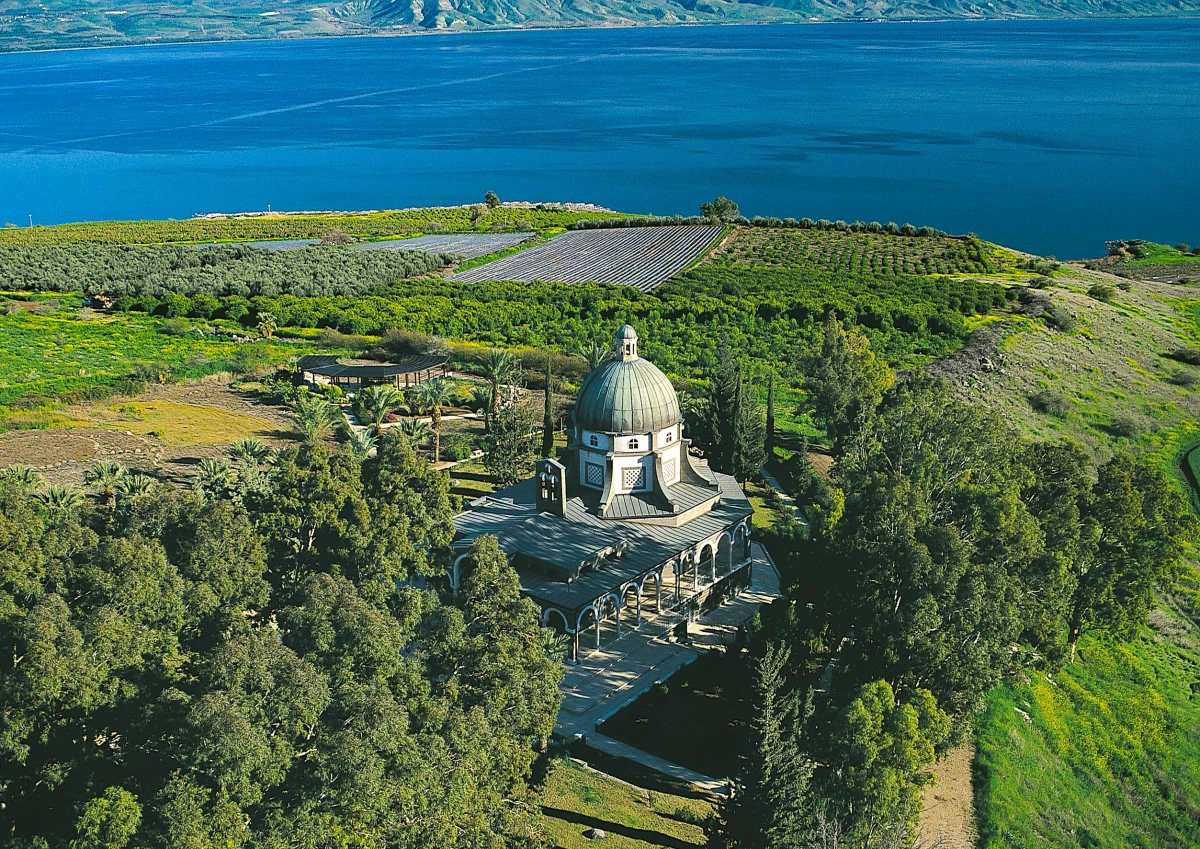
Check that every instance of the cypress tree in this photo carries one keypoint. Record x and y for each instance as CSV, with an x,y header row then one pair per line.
x,y
725,384
770,416
548,415
771,804
746,432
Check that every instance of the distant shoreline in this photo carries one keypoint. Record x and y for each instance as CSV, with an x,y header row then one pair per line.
x,y
548,27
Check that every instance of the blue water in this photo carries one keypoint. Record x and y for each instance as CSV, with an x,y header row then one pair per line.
x,y
1050,137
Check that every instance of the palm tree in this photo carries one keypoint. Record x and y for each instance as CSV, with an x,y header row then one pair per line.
x,y
498,369
375,404
25,478
481,399
60,500
215,478
135,486
435,395
594,353
417,431
315,417
361,443
267,325
249,452
106,476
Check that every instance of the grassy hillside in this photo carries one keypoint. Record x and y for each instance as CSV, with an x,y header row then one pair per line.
x,y
28,25
1105,753
577,799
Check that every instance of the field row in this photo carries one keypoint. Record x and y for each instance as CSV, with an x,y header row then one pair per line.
x,y
858,253
466,245
641,257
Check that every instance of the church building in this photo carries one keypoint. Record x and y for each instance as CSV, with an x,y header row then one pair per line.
x,y
633,531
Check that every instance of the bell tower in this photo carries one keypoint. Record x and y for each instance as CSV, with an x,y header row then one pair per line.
x,y
551,487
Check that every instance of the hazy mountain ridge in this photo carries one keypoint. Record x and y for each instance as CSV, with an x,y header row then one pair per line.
x,y
28,25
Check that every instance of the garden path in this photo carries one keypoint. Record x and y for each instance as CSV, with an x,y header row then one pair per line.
x,y
774,483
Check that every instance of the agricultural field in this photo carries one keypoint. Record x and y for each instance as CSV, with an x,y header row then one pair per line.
x,y
641,257
465,245
283,226
857,253
213,271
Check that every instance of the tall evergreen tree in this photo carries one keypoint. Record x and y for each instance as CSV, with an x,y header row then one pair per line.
x,y
770,442
723,402
747,452
770,807
510,445
548,415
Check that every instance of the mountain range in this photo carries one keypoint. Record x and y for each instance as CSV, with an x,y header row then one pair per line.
x,y
28,25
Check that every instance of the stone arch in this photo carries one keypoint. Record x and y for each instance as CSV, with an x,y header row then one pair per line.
x,y
579,619
636,586
455,573
609,604
741,539
547,619
706,560
725,551
657,578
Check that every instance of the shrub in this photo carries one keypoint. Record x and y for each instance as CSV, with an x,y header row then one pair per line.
x,y
174,327
1060,318
1191,356
1182,377
1041,282
1125,286
1102,292
1126,425
1183,247
1051,403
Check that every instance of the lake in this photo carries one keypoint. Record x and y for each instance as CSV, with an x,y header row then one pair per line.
x,y
1047,136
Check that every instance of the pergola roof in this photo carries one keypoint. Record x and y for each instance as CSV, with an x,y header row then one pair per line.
x,y
327,366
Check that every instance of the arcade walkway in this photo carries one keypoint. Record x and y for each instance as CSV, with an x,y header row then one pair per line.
x,y
611,677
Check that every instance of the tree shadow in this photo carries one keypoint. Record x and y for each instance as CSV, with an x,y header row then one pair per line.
x,y
639,775
655,838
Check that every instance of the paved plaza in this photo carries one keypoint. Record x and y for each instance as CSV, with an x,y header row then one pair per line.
x,y
607,679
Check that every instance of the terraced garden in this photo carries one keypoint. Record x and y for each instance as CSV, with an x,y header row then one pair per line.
x,y
641,257
838,251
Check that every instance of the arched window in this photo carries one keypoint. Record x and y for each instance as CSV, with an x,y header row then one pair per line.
x,y
595,440
670,436
633,445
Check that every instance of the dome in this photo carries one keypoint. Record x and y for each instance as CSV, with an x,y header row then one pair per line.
x,y
626,395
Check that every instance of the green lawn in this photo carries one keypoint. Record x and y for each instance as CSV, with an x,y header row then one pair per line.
x,y
1109,755
43,357
576,799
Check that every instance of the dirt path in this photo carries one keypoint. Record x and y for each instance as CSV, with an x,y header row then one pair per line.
x,y
948,817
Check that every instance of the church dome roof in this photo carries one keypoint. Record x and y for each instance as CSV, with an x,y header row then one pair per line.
x,y
626,395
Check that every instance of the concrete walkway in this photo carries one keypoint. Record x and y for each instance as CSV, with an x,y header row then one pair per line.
x,y
772,482
699,780
611,677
